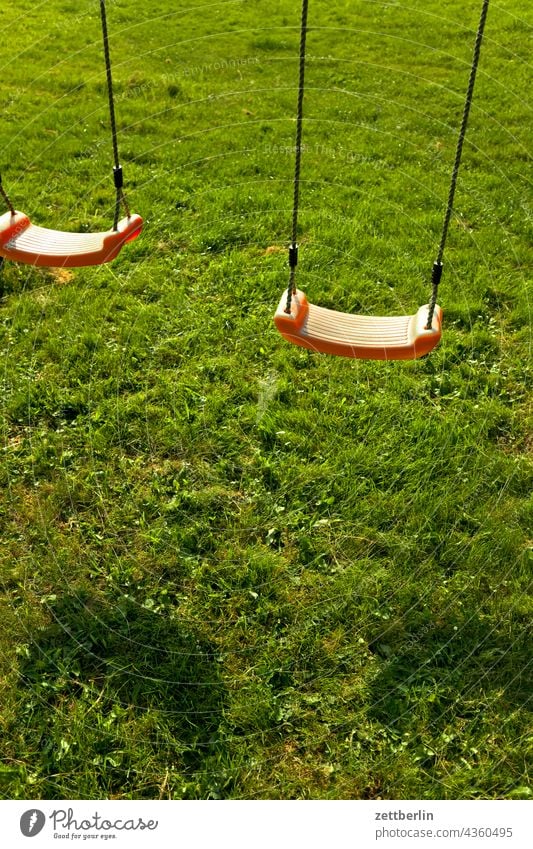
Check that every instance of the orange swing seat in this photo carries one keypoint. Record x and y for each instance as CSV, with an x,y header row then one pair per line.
x,y
22,241
361,336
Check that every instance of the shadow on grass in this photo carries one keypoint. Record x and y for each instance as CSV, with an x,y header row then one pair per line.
x,y
450,690
484,658
118,700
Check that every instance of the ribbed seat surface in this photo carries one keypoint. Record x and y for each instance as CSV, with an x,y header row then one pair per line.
x,y
366,337
22,241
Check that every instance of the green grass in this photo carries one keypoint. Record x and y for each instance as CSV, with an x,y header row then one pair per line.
x,y
230,568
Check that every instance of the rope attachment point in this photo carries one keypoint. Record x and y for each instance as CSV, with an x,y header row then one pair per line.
x,y
293,262
293,256
436,275
118,176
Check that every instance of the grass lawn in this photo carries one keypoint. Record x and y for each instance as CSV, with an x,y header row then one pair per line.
x,y
231,568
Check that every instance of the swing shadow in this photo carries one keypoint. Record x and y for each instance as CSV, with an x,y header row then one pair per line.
x,y
120,659
450,676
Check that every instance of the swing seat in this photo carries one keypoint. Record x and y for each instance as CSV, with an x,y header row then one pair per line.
x,y
22,241
362,336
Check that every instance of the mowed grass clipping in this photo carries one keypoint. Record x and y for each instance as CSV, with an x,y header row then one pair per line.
x,y
232,568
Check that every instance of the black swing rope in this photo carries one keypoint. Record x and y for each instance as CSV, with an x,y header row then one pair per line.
x,y
117,168
118,177
437,265
293,248
6,198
